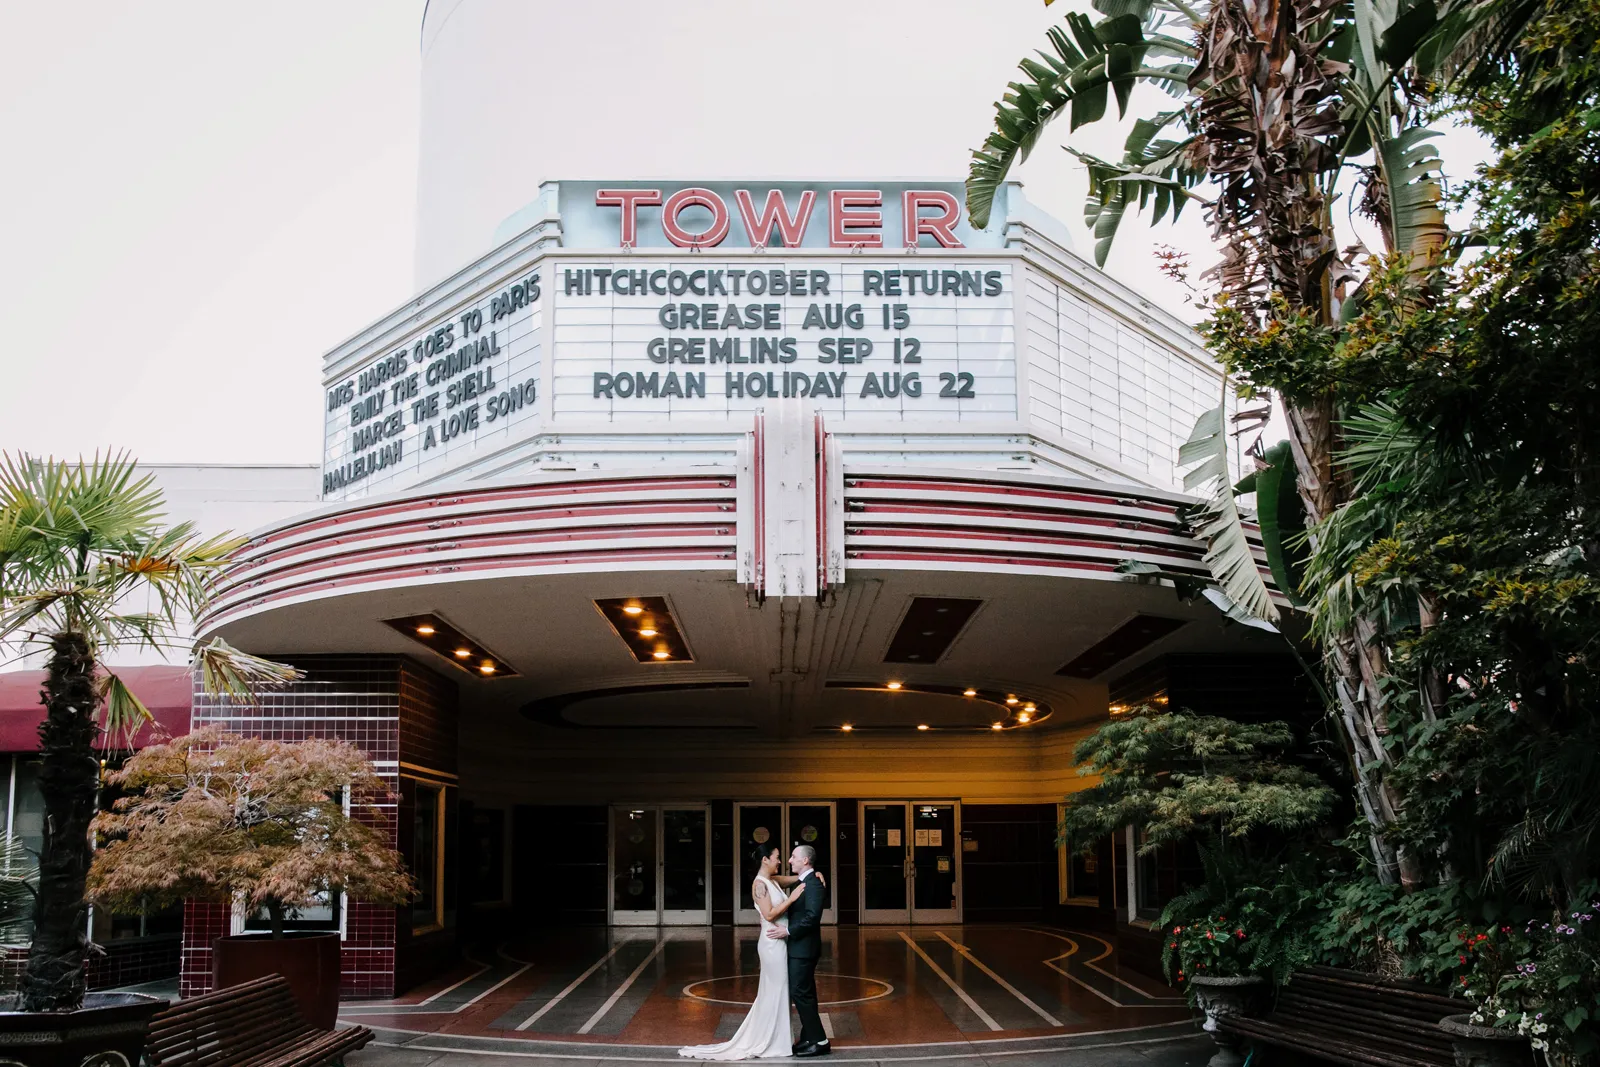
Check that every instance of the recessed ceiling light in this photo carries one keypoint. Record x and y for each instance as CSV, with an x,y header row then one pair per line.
x,y
443,639
632,609
662,653
1023,716
487,668
969,692
647,632
998,726
1011,698
894,685
847,727
1030,706
922,726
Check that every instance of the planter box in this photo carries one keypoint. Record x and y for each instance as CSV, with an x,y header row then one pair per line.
x,y
309,961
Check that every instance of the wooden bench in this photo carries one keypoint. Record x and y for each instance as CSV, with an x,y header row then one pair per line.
x,y
1357,1019
254,1024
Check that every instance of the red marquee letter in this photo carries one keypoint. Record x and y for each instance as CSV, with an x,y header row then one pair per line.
x,y
628,200
940,225
841,221
775,212
681,237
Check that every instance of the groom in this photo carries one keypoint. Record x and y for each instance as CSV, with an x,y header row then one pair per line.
x,y
805,945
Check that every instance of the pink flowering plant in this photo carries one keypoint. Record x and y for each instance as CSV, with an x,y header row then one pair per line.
x,y
1540,979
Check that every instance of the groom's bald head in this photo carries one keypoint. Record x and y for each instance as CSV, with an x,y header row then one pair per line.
x,y
802,858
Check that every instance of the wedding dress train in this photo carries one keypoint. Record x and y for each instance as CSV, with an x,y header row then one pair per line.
x,y
765,1031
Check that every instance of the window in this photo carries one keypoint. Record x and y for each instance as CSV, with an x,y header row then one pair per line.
x,y
427,857
25,810
1161,875
326,915
1078,874
323,915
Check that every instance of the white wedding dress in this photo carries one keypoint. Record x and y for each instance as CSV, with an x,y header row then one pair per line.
x,y
765,1031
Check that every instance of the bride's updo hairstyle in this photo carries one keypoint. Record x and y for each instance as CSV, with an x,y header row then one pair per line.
x,y
763,851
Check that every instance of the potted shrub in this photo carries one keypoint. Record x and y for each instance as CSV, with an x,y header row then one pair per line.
x,y
258,824
88,565
1231,939
1534,987
1230,789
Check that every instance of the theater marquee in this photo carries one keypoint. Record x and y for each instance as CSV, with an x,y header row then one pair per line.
x,y
698,303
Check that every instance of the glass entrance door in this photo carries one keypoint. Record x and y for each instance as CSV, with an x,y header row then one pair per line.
x,y
787,824
910,861
660,867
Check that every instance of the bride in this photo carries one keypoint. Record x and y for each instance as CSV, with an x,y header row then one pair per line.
x,y
765,1031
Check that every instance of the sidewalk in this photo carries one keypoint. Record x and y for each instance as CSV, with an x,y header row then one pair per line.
x,y
1151,1047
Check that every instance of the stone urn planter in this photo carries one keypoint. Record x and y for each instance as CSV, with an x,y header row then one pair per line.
x,y
1484,1046
309,961
1219,998
108,1031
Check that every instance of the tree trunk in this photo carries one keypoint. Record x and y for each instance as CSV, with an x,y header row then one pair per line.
x,y
1351,655
69,782
275,912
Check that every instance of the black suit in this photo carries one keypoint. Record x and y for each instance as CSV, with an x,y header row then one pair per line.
x,y
805,945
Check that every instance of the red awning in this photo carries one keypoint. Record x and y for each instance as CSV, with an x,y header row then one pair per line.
x,y
166,691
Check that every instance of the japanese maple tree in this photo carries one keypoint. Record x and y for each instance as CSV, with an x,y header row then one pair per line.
x,y
211,816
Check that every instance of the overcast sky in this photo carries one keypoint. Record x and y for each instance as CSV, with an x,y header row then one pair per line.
x,y
199,199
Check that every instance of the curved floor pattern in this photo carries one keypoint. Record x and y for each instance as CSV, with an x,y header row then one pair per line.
x,y
890,994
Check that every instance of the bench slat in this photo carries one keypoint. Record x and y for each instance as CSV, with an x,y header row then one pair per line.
x,y
1345,1052
1360,1037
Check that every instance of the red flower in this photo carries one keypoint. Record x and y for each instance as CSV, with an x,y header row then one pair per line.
x,y
1463,959
1241,935
1210,936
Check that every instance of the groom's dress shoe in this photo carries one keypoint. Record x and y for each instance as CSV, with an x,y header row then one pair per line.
x,y
812,1049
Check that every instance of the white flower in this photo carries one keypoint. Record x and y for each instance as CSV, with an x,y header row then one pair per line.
x,y
1501,1014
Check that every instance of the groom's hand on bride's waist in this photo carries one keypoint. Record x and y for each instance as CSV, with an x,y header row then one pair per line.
x,y
777,931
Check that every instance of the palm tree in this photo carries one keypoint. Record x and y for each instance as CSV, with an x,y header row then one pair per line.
x,y
1278,99
88,566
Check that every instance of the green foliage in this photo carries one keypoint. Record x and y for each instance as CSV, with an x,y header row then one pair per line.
x,y
1245,918
1229,556
1366,925
1086,61
1178,776
1282,519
